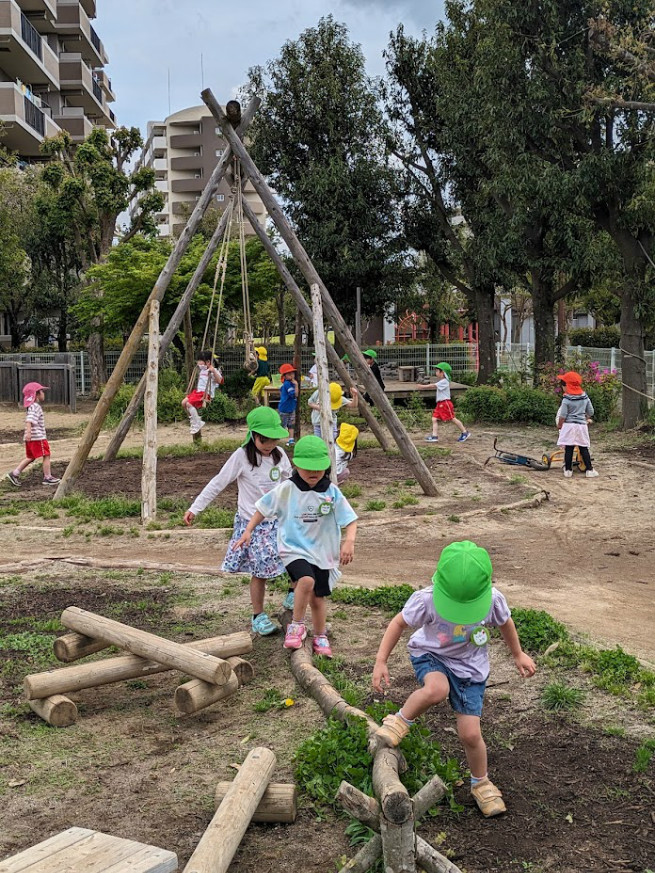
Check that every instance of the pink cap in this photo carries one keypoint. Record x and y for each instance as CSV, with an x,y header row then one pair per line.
x,y
29,392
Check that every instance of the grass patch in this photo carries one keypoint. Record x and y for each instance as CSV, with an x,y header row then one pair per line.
x,y
390,598
352,692
272,699
350,490
537,629
186,450
405,500
433,452
375,506
455,519
558,697
644,756
517,479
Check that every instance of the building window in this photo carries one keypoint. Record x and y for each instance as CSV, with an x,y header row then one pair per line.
x,y
219,153
219,132
220,198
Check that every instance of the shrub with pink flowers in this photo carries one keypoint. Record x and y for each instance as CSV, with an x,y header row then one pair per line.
x,y
602,384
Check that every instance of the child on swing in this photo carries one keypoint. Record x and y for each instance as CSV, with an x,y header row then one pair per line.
x,y
209,376
311,512
257,467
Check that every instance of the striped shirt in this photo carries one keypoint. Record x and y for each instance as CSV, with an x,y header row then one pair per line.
x,y
36,418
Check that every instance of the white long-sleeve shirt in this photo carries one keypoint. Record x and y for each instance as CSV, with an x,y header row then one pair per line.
x,y
252,482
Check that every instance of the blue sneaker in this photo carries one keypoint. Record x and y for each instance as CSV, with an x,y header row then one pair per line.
x,y
263,626
463,437
291,443
431,439
287,603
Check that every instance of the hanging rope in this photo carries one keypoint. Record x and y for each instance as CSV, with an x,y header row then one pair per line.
x,y
245,291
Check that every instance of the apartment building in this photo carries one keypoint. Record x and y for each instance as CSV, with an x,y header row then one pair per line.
x,y
183,151
52,74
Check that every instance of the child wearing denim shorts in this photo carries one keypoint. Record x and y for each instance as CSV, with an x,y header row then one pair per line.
x,y
449,653
288,404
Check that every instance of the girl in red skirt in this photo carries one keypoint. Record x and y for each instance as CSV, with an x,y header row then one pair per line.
x,y
444,410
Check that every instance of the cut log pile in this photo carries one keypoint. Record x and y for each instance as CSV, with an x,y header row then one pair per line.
x,y
214,664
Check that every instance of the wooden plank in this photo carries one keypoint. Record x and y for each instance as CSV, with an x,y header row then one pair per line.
x,y
149,463
123,667
147,645
46,849
86,853
148,859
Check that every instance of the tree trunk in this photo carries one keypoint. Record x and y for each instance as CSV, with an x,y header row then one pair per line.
x,y
62,331
15,332
483,304
543,313
633,364
280,301
189,355
96,349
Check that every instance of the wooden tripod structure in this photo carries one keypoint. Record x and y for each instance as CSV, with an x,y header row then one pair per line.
x,y
233,129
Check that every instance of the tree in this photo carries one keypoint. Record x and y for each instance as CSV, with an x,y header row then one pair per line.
x,y
322,140
17,293
92,185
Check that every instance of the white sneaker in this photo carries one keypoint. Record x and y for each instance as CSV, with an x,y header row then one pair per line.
x,y
196,427
591,474
568,474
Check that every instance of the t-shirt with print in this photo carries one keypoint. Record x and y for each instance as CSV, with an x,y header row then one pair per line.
x,y
453,644
316,413
443,389
252,481
36,418
288,399
310,520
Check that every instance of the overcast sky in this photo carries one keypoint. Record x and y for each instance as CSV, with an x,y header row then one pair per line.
x,y
147,38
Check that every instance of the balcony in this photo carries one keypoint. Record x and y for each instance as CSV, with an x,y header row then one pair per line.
x,y
25,54
89,7
24,124
159,146
40,11
160,165
104,81
185,186
186,141
73,119
80,88
162,186
190,162
75,29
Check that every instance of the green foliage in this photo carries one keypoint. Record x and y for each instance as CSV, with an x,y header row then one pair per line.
x,y
595,337
557,697
520,404
390,598
334,669
614,669
537,629
350,491
375,506
222,408
405,500
100,508
484,403
272,699
643,756
238,384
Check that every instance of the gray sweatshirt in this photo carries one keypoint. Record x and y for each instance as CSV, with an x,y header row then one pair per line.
x,y
575,409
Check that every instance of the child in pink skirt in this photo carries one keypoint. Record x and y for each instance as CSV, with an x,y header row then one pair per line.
x,y
573,416
444,410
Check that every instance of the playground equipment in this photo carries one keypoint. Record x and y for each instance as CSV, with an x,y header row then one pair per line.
x,y
214,663
557,457
515,460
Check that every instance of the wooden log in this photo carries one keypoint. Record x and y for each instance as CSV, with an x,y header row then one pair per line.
x,y
72,647
173,655
398,846
365,858
426,797
114,382
149,462
405,444
243,670
57,710
306,312
123,667
327,429
432,861
279,802
196,695
362,807
220,841
393,796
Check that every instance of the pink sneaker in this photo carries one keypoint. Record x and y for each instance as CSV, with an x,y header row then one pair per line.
x,y
321,646
295,635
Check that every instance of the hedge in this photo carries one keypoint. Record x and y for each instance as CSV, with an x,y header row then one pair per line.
x,y
595,338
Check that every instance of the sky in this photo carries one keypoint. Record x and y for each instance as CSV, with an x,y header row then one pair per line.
x,y
148,39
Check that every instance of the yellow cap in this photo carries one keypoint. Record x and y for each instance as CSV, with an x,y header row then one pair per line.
x,y
336,395
261,351
347,438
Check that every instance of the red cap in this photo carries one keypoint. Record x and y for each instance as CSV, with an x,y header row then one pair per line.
x,y
29,392
572,382
287,368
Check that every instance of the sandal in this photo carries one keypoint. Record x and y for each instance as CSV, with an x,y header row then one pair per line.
x,y
488,798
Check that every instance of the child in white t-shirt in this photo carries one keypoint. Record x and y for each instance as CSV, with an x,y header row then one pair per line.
x,y
337,400
444,410
209,376
345,449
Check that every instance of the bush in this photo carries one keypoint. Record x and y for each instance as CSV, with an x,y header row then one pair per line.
x,y
238,384
484,403
537,630
222,408
531,405
595,338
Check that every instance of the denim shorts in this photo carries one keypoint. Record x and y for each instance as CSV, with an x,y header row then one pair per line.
x,y
466,697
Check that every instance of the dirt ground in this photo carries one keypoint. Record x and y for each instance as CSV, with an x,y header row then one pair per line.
x,y
585,555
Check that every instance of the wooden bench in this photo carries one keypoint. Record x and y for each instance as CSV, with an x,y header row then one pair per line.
x,y
79,850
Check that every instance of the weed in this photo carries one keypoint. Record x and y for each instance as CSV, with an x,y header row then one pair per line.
x,y
375,506
454,518
333,669
409,483
517,479
643,756
340,613
350,490
433,452
537,630
405,500
390,598
109,530
137,684
557,697
614,731
215,517
272,699
68,531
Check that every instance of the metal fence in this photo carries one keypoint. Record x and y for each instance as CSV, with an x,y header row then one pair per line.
x,y
462,357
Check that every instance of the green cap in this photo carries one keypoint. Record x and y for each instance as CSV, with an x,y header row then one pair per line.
x,y
311,453
267,422
445,368
370,353
462,583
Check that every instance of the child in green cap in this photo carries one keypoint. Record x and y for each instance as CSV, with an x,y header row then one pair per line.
x,y
257,467
311,512
449,651
444,410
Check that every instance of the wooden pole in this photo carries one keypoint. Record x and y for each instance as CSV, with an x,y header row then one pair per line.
x,y
279,802
177,318
327,428
196,695
220,841
305,310
297,363
72,647
406,446
123,667
56,710
114,382
149,465
189,351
